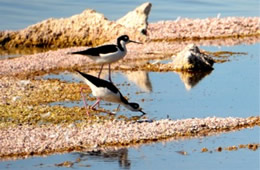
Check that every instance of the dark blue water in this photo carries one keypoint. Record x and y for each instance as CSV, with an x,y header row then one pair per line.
x,y
231,89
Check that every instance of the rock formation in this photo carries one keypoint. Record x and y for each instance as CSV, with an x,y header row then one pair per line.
x,y
191,59
137,19
87,28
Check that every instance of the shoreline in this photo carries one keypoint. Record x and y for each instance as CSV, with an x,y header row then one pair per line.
x,y
27,140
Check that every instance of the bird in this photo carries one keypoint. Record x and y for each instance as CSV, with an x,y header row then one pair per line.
x,y
107,91
107,54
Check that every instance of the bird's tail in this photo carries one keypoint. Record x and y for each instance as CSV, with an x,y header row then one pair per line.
x,y
81,73
86,76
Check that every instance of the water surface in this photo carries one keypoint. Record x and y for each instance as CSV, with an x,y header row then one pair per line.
x,y
16,14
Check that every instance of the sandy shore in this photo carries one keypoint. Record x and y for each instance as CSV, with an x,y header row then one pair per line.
x,y
29,140
209,28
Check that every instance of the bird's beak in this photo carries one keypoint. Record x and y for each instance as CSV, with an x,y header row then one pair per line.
x,y
135,42
142,112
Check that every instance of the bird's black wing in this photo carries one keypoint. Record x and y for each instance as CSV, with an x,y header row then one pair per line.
x,y
96,51
105,49
99,82
90,51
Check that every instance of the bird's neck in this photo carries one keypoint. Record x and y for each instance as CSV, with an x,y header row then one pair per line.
x,y
121,45
123,99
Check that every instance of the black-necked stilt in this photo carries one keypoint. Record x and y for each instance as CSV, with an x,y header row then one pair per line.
x,y
105,90
107,54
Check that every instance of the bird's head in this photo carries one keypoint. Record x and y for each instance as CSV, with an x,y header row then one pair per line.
x,y
125,39
135,107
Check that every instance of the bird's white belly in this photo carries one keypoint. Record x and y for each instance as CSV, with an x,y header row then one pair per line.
x,y
110,57
106,95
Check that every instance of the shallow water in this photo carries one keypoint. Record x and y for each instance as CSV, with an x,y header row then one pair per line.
x,y
231,89
224,92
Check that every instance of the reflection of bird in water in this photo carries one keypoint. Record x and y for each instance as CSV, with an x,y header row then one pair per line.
x,y
109,155
191,79
141,79
123,158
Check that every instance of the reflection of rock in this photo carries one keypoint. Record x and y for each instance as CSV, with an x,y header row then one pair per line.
x,y
190,79
87,28
191,59
141,79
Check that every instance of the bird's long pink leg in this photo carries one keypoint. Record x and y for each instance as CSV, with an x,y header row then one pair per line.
x,y
100,70
109,73
84,99
96,103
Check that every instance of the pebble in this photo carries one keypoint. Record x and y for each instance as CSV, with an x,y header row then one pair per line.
x,y
204,150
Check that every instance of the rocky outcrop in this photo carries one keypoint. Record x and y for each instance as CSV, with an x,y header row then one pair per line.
x,y
137,19
87,28
191,59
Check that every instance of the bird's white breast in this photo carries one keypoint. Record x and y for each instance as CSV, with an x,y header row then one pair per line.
x,y
107,95
111,57
104,93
